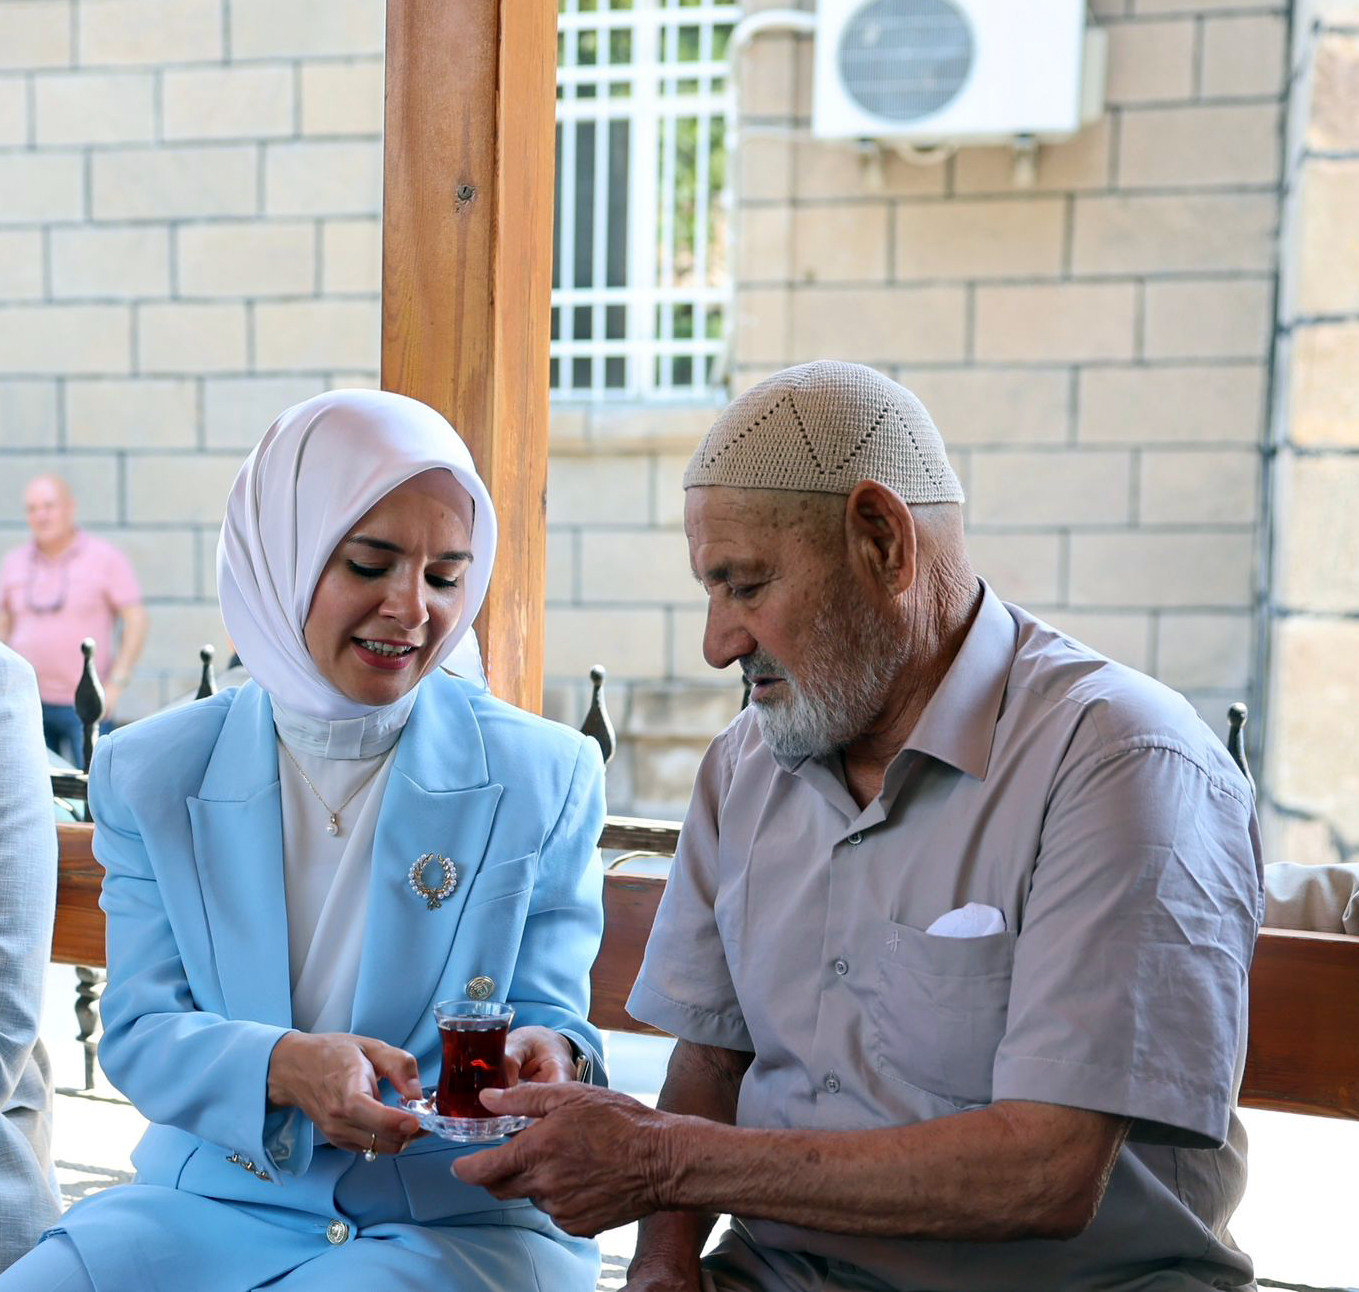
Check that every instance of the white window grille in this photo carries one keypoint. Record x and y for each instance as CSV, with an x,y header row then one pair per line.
x,y
640,295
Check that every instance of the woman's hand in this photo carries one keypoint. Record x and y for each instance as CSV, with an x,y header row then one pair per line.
x,y
333,1078
538,1054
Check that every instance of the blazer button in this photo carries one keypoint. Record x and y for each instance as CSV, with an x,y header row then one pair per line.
x,y
337,1232
480,987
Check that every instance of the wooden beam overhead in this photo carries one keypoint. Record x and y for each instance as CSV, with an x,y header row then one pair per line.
x,y
467,272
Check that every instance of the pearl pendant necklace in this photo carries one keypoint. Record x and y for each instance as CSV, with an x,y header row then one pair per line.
x,y
333,824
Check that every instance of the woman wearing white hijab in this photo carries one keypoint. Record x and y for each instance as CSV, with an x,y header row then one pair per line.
x,y
298,869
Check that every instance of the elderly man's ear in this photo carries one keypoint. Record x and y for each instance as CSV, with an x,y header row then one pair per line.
x,y
881,537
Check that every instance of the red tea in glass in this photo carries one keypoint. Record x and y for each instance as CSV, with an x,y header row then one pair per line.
x,y
473,1035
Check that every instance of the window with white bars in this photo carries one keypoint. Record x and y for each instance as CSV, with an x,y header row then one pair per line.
x,y
640,295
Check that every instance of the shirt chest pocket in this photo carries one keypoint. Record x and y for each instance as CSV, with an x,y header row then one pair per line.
x,y
938,1010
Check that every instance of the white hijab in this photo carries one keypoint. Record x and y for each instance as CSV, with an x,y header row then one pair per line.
x,y
317,471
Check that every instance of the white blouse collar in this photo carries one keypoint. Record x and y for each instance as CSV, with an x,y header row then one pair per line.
x,y
373,733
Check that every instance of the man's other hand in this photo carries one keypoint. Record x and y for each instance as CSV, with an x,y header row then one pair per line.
x,y
653,1280
653,1273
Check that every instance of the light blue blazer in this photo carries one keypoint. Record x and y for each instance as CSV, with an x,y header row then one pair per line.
x,y
28,893
188,828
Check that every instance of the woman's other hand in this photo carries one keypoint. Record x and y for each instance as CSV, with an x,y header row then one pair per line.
x,y
333,1078
538,1054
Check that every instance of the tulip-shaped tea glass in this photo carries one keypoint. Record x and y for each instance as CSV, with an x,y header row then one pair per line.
x,y
472,1034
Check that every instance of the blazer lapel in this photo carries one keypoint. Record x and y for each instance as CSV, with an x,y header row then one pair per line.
x,y
237,824
438,801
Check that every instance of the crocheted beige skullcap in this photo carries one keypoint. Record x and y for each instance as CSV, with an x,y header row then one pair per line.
x,y
822,427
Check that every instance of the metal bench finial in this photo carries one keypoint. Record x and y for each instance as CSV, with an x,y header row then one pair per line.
x,y
597,722
89,701
1236,740
89,707
207,683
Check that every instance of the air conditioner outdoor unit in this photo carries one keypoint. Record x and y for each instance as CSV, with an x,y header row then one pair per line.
x,y
954,71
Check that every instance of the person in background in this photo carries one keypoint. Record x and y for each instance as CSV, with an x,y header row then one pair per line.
x,y
57,590
28,895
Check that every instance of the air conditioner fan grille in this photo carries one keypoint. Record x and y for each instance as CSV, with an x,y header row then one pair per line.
x,y
905,59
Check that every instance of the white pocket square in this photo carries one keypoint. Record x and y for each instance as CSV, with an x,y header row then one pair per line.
x,y
974,920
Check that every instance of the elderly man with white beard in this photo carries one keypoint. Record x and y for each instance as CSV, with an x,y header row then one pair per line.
x,y
957,937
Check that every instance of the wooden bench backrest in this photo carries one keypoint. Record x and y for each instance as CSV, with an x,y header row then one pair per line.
x,y
78,938
1303,1055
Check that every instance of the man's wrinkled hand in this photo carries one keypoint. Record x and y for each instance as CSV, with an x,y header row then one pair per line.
x,y
594,1159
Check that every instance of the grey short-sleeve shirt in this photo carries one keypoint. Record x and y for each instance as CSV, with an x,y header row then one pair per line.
x,y
1108,826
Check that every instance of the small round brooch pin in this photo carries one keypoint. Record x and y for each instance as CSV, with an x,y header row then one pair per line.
x,y
434,897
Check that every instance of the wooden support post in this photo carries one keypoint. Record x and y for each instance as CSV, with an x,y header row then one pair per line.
x,y
467,272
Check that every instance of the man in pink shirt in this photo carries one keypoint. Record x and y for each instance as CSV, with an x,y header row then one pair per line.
x,y
62,587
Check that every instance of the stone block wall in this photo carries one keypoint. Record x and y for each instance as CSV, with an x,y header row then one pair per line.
x,y
620,593
1313,751
1094,346
189,241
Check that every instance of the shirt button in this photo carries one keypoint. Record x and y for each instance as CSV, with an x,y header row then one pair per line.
x,y
832,1083
842,967
856,838
337,1232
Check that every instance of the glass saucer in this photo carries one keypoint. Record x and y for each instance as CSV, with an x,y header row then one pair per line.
x,y
461,1130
